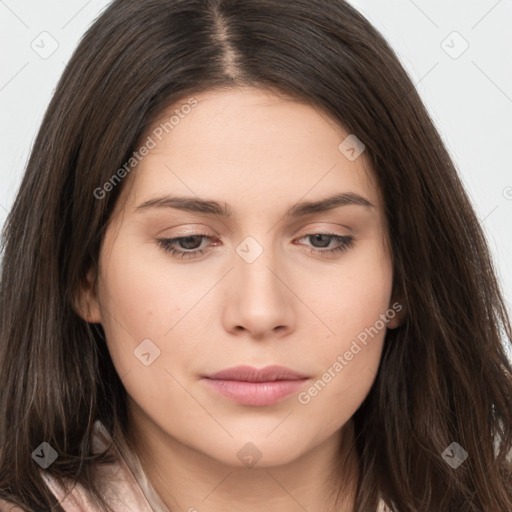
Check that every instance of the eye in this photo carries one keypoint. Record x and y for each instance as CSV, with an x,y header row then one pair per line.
x,y
323,239
190,246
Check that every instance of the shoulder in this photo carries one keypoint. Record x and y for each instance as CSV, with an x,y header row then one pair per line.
x,y
112,480
7,506
382,507
74,501
115,482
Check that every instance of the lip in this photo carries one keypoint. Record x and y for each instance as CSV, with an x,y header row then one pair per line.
x,y
250,374
250,386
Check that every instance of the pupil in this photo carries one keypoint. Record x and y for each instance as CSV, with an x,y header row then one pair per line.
x,y
187,239
317,237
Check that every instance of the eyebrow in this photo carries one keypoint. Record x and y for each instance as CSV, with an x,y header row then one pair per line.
x,y
194,204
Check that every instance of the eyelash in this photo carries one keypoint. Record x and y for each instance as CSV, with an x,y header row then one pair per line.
x,y
168,245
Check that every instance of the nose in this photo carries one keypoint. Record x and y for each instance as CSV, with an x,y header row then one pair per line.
x,y
259,299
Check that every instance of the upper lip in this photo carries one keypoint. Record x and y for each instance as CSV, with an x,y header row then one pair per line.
x,y
250,374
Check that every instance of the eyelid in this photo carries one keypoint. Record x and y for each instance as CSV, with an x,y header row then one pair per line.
x,y
186,230
194,228
328,228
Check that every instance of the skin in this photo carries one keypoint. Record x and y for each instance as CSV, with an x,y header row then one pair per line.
x,y
260,153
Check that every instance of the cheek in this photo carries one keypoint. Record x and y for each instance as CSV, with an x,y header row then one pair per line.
x,y
352,296
143,292
354,303
140,301
143,311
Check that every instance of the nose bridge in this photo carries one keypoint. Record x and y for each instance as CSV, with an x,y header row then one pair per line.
x,y
254,264
259,300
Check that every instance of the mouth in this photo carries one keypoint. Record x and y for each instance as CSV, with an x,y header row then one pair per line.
x,y
250,386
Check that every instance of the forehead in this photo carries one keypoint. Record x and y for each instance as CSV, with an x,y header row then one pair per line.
x,y
252,148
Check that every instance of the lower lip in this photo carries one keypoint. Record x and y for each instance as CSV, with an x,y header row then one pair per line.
x,y
255,393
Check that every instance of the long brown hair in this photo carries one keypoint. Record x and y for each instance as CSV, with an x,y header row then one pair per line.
x,y
444,376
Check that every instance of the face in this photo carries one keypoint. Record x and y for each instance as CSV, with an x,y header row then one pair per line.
x,y
185,291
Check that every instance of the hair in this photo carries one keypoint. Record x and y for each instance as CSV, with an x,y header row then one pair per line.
x,y
444,374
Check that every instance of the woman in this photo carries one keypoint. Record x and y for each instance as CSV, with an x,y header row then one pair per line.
x,y
241,271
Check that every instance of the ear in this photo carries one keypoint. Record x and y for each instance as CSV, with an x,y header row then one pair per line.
x,y
86,302
396,313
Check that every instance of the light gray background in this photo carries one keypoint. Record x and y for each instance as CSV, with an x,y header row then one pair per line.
x,y
469,94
